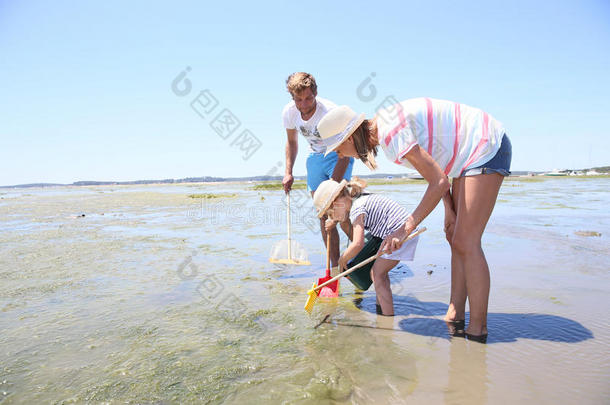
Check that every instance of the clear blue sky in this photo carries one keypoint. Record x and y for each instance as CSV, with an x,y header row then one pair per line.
x,y
85,87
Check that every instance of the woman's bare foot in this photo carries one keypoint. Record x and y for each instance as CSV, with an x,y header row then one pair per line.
x,y
452,315
476,331
476,334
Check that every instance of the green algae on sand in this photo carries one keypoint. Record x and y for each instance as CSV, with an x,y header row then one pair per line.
x,y
297,185
212,196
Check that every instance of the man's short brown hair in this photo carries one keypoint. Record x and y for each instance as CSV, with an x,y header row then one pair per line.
x,y
299,81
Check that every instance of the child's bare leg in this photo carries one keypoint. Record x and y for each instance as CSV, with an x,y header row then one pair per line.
x,y
376,296
381,279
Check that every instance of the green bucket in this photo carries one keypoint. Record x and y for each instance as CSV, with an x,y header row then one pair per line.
x,y
361,278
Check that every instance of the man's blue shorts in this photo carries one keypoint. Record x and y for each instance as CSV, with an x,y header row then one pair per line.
x,y
320,168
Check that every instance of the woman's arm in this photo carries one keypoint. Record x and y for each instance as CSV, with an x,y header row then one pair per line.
x,y
340,168
438,186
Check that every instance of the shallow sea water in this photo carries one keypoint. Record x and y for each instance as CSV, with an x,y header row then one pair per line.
x,y
154,297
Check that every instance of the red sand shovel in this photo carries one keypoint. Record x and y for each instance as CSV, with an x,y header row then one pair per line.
x,y
332,289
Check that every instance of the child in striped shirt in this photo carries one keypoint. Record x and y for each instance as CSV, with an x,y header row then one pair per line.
x,y
360,212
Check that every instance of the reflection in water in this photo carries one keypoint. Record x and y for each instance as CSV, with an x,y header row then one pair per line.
x,y
359,298
468,377
456,328
358,353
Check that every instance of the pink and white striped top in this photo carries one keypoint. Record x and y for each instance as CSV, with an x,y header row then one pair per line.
x,y
457,136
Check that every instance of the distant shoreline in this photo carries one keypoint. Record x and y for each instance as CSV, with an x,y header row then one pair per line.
x,y
598,172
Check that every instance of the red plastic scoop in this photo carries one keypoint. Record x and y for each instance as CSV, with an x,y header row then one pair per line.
x,y
331,290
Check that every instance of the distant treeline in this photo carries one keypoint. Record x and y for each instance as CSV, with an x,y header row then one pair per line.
x,y
210,179
204,179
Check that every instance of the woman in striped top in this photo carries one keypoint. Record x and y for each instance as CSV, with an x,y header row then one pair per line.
x,y
439,139
358,212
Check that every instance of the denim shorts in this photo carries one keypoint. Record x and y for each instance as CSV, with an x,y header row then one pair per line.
x,y
320,168
500,163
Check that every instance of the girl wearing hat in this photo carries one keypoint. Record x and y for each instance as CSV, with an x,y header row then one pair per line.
x,y
358,213
439,139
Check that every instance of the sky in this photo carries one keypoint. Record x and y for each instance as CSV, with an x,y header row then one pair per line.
x,y
91,90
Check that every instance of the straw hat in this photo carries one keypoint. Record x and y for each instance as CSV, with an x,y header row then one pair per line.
x,y
326,193
337,125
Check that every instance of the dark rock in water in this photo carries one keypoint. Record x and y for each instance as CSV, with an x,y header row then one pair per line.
x,y
587,233
81,215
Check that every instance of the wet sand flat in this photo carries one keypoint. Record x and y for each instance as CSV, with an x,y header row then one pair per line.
x,y
157,297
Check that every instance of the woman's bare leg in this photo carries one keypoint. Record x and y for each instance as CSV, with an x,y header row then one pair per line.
x,y
457,302
476,199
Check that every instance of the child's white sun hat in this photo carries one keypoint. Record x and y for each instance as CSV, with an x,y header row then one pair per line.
x,y
326,193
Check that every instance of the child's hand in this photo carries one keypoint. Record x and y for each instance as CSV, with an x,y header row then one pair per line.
x,y
330,224
342,263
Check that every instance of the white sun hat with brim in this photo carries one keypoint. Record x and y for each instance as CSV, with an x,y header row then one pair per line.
x,y
326,193
337,125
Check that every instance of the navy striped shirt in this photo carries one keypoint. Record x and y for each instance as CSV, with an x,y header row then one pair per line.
x,y
382,216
